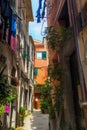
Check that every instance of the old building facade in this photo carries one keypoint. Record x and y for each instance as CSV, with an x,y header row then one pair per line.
x,y
15,53
40,70
71,54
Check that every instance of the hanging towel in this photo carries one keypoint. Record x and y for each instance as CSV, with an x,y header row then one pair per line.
x,y
38,11
5,8
13,26
40,4
13,43
43,11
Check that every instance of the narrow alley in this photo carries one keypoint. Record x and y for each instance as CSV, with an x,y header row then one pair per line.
x,y
43,64
36,121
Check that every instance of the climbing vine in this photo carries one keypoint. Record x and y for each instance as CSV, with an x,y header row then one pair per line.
x,y
56,79
46,99
7,95
58,98
55,71
7,91
58,35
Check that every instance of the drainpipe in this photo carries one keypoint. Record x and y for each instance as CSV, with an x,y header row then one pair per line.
x,y
75,29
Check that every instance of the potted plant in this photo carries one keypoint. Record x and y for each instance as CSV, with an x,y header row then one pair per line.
x,y
45,97
6,92
44,105
21,115
1,109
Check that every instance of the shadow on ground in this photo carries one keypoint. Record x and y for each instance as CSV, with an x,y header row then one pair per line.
x,y
39,121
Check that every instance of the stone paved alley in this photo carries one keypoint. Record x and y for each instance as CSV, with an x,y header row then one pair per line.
x,y
36,121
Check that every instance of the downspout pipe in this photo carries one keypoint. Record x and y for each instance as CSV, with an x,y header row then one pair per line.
x,y
75,30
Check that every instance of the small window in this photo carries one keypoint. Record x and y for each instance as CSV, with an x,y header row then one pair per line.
x,y
35,71
41,55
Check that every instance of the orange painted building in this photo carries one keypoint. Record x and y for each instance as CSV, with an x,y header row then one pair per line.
x,y
40,69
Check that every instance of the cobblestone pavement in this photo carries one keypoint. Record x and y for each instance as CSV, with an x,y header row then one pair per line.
x,y
36,121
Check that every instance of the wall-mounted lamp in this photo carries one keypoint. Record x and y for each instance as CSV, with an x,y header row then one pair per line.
x,y
36,99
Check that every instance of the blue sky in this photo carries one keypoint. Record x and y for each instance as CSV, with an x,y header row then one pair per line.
x,y
34,27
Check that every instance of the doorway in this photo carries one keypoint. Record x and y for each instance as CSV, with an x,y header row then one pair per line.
x,y
37,100
75,87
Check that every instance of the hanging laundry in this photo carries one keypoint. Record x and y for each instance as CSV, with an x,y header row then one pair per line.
x,y
7,23
5,9
38,16
13,26
43,11
13,43
40,4
3,6
6,13
38,11
13,40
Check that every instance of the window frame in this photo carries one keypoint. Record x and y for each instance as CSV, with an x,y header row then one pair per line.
x,y
43,55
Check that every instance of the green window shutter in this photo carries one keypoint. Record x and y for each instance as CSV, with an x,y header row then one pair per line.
x,y
28,58
44,55
31,71
24,54
35,71
24,41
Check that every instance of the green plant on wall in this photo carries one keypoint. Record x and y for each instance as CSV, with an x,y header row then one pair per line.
x,y
37,87
4,87
45,90
44,104
11,98
58,98
56,76
45,96
1,109
21,115
55,71
46,100
58,35
51,110
7,92
7,95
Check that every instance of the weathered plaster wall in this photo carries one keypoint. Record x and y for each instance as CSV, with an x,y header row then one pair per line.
x,y
6,51
83,51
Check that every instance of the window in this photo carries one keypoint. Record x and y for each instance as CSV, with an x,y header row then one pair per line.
x,y
41,55
35,71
